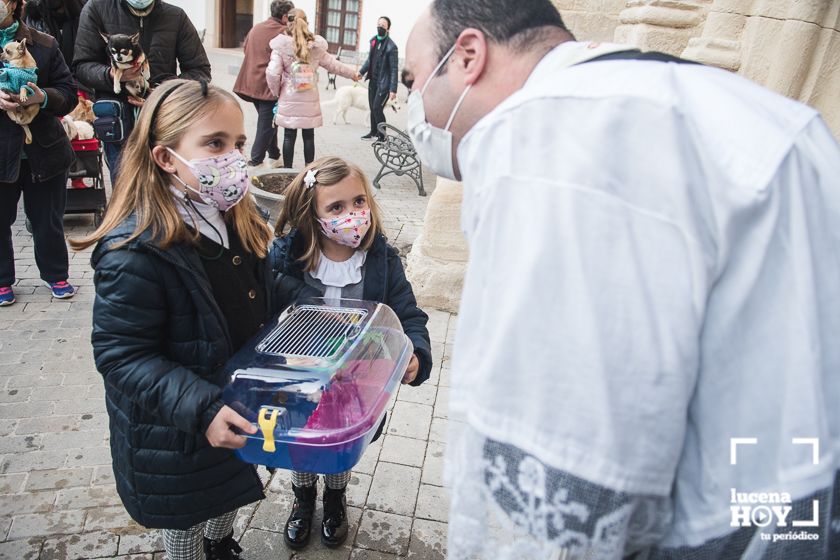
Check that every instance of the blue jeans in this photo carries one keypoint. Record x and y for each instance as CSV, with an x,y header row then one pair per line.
x,y
113,150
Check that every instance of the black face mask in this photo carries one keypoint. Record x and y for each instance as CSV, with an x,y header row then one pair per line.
x,y
381,31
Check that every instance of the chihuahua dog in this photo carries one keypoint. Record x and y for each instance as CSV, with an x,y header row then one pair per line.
x,y
83,111
21,69
126,53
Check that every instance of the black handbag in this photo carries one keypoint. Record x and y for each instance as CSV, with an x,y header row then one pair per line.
x,y
109,124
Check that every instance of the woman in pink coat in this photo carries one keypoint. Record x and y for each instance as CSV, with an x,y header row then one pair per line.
x,y
292,74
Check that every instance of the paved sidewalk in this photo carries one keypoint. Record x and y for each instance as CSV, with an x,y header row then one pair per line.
x,y
57,498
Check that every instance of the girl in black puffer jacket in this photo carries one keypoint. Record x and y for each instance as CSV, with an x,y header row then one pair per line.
x,y
181,283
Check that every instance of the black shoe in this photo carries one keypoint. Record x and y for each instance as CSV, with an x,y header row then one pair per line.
x,y
299,524
334,525
380,138
222,549
369,136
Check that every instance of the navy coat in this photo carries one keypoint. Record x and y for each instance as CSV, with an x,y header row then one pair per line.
x,y
384,282
163,382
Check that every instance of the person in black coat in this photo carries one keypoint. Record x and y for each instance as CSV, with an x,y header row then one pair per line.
x,y
59,18
182,283
167,36
330,245
37,170
381,69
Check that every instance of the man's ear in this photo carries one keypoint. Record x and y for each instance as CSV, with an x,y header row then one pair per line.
x,y
163,159
470,56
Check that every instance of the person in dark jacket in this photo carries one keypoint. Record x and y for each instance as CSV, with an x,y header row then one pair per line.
x,y
59,18
181,283
37,170
381,68
330,245
167,36
252,86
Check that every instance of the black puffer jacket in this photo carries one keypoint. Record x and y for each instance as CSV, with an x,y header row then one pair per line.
x,y
167,36
159,341
384,282
49,153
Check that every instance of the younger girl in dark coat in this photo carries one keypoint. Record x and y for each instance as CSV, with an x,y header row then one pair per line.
x,y
331,245
181,284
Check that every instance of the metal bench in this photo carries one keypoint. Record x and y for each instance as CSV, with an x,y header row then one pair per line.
x,y
397,155
346,56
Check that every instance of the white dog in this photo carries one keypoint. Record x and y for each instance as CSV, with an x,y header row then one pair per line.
x,y
353,96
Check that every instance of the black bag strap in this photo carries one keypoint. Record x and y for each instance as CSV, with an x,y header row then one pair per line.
x,y
635,54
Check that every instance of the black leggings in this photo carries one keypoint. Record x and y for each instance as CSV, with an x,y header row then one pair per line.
x,y
289,138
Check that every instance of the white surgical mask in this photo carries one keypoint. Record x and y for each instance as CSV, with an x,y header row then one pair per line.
x,y
433,145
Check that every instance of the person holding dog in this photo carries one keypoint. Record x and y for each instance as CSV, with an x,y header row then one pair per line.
x,y
168,38
292,75
36,170
251,84
380,68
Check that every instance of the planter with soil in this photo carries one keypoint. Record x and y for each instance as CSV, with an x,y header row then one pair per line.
x,y
268,188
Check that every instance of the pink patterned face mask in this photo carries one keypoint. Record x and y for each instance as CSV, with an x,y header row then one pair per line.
x,y
222,180
348,229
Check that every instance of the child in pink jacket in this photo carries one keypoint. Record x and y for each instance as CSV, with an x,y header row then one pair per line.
x,y
292,75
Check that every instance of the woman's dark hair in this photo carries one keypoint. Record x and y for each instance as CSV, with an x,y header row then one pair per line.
x,y
502,21
18,10
386,18
280,8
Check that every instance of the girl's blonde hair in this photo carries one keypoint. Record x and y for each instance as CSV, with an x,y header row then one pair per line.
x,y
300,208
301,35
143,188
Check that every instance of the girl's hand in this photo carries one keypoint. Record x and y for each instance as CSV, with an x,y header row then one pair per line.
x,y
413,369
219,432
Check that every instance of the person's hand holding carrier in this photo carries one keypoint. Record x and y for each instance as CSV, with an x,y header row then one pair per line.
x,y
411,371
220,432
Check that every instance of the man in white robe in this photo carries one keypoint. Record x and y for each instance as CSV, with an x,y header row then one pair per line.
x,y
649,333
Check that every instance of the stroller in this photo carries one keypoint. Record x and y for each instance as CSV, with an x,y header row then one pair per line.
x,y
86,191
86,185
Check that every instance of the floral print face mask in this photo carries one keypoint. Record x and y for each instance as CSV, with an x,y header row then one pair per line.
x,y
348,229
222,180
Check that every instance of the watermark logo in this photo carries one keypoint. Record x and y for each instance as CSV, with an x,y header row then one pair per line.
x,y
762,509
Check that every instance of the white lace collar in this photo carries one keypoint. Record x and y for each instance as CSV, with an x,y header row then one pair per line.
x,y
340,274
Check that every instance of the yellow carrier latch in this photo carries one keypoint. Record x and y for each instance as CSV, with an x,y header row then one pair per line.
x,y
268,421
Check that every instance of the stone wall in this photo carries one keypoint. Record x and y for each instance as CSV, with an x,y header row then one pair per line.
x,y
790,46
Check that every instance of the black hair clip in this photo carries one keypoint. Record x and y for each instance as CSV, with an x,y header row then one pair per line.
x,y
203,87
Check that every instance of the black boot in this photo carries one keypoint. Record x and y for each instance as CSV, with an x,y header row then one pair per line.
x,y
334,525
222,549
299,524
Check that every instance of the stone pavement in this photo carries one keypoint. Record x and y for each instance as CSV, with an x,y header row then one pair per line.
x,y
57,496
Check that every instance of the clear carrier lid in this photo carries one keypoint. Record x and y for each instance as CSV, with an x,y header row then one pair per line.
x,y
321,373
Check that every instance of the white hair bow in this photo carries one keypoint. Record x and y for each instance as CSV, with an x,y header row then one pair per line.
x,y
309,179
